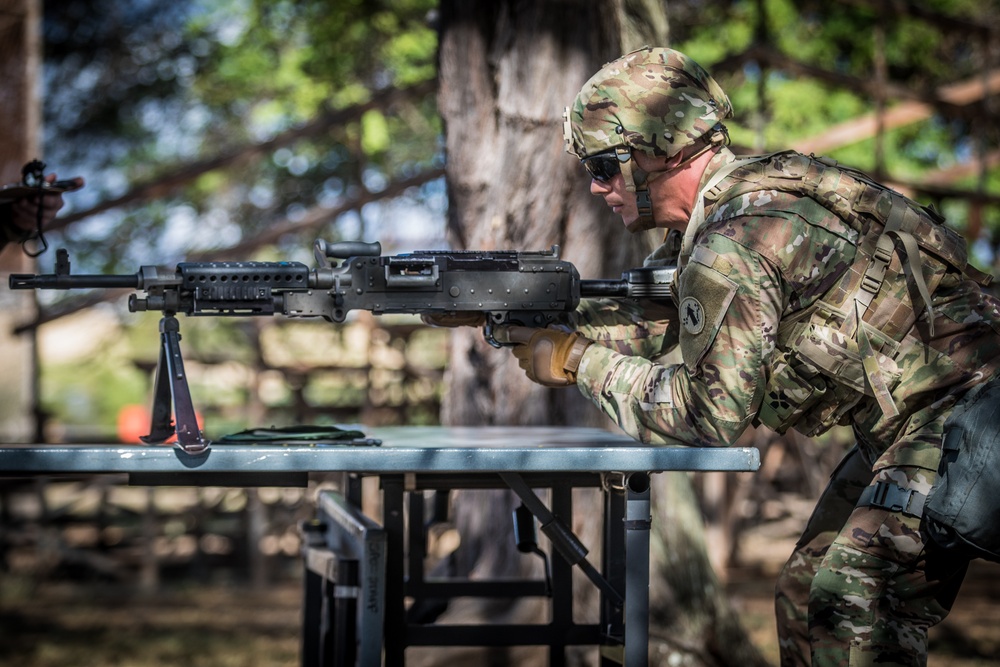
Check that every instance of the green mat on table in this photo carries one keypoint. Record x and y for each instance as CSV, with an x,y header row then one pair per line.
x,y
304,433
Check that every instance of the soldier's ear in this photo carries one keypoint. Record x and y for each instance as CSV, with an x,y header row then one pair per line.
x,y
675,161
650,163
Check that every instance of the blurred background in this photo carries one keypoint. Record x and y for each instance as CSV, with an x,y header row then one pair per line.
x,y
246,129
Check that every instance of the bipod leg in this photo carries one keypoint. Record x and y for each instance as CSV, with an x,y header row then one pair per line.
x,y
172,396
162,426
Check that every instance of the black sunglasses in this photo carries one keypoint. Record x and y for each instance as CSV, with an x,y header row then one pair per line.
x,y
605,166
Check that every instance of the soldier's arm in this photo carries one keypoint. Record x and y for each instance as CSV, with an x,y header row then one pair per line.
x,y
710,399
637,328
643,328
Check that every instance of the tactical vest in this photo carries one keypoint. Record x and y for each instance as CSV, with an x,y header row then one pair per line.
x,y
825,364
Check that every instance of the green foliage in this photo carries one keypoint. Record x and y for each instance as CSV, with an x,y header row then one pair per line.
x,y
208,77
796,110
301,56
840,38
375,136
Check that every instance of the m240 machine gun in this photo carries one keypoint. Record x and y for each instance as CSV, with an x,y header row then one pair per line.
x,y
507,287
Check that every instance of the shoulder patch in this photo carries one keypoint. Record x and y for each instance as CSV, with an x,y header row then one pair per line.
x,y
705,296
692,315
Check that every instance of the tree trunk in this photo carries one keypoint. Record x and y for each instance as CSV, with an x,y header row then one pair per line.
x,y
20,109
507,70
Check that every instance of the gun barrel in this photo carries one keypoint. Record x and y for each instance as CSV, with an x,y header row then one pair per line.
x,y
75,281
649,282
590,289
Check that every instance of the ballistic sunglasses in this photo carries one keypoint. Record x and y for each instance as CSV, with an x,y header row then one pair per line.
x,y
605,166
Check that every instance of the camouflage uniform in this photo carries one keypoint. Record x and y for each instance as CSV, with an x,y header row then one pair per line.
x,y
768,300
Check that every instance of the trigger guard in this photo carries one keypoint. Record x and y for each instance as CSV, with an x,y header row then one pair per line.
x,y
491,320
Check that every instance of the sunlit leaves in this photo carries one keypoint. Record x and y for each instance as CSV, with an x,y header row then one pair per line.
x,y
374,132
200,78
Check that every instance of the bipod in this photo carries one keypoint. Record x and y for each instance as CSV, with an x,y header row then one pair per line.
x,y
173,409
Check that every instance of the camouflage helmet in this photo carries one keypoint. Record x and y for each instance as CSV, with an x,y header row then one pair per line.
x,y
655,100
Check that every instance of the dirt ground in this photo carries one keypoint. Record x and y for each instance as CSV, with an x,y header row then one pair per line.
x,y
59,624
54,623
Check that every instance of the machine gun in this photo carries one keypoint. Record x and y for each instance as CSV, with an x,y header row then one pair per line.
x,y
508,287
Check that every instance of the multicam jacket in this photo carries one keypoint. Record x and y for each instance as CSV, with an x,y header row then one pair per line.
x,y
792,251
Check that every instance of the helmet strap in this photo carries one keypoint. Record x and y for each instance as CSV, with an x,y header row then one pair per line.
x,y
718,137
643,202
637,181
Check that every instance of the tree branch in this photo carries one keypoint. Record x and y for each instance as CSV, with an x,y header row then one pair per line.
x,y
768,57
171,181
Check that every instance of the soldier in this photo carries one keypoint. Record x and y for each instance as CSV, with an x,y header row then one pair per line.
x,y
781,256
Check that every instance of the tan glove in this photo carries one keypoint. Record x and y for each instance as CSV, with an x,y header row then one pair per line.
x,y
463,318
548,357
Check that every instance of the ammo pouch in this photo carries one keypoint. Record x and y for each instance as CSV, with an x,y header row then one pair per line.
x,y
963,509
799,396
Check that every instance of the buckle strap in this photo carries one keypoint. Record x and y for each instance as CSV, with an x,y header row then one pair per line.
x,y
892,497
873,372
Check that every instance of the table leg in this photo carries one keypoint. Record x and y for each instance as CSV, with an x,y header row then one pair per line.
x,y
613,566
637,524
395,609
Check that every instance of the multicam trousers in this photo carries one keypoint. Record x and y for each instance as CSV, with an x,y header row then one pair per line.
x,y
864,584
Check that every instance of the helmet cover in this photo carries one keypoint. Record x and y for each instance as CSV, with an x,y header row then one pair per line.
x,y
655,100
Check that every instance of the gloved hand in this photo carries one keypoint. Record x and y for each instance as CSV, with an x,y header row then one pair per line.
x,y
548,356
462,318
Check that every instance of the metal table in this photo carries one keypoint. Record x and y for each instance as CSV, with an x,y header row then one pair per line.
x,y
358,572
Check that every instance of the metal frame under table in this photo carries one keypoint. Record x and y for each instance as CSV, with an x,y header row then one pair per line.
x,y
358,573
